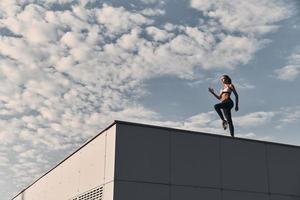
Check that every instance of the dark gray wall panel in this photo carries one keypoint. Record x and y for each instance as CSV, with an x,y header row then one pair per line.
x,y
235,195
284,167
195,160
282,197
142,154
192,193
244,165
140,191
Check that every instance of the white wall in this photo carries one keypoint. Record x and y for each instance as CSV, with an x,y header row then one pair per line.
x,y
88,168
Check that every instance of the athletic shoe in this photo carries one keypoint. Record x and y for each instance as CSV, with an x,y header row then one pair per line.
x,y
224,124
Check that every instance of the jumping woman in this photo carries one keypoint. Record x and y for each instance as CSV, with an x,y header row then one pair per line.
x,y
226,103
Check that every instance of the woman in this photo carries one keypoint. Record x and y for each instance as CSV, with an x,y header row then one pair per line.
x,y
226,102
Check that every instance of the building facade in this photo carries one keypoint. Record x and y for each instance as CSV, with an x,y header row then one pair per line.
x,y
129,161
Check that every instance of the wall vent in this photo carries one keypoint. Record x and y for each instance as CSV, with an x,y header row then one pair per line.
x,y
93,194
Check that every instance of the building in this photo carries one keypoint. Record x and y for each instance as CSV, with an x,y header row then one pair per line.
x,y
129,161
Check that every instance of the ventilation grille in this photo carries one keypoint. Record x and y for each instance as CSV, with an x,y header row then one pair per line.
x,y
94,194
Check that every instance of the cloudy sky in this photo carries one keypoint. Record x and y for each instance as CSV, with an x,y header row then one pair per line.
x,y
68,68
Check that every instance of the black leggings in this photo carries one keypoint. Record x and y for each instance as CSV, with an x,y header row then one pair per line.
x,y
226,105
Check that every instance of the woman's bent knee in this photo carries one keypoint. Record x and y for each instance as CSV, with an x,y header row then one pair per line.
x,y
216,106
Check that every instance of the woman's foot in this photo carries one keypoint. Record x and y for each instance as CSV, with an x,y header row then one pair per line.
x,y
224,124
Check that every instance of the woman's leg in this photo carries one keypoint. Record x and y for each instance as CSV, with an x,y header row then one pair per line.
x,y
218,108
227,113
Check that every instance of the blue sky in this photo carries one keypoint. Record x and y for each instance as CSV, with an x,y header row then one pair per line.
x,y
69,68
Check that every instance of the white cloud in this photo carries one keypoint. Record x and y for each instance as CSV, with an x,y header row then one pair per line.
x,y
254,119
8,8
291,71
158,34
288,73
242,84
118,20
251,17
155,2
239,26
19,148
204,122
209,122
290,115
4,161
29,154
295,58
153,12
247,135
251,135
232,51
